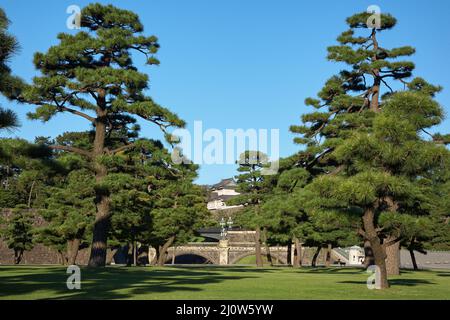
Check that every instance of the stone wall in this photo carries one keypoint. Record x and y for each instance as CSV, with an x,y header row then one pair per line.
x,y
40,254
239,236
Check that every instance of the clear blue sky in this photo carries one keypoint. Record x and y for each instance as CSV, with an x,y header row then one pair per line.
x,y
238,63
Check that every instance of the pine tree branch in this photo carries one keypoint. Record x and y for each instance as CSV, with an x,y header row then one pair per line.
x,y
78,113
63,108
162,127
362,233
382,80
319,130
391,242
337,170
425,131
71,149
123,148
320,156
140,50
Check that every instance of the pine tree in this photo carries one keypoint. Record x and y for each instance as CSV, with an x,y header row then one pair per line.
x,y
178,208
387,172
350,99
9,85
91,75
254,188
17,231
350,102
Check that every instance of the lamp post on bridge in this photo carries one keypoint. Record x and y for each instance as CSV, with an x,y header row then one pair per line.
x,y
225,227
223,243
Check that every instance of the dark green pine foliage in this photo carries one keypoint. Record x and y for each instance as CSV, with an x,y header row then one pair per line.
x,y
292,216
9,85
426,228
440,216
350,99
91,75
8,119
25,171
69,212
17,231
131,201
388,173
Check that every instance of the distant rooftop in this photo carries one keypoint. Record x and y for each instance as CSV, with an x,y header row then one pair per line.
x,y
214,196
224,184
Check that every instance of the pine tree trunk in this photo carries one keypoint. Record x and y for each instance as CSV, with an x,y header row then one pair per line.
x,y
31,193
100,237
163,251
259,260
174,255
110,257
374,103
377,248
393,258
266,246
160,257
72,251
297,253
135,253
368,252
18,255
413,259
102,201
314,259
142,256
62,258
129,254
155,259
374,106
328,255
268,254
289,254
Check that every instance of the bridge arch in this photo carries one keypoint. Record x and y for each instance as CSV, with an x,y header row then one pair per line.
x,y
235,258
191,257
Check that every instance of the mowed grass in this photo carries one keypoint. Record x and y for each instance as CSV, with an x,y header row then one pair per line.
x,y
207,282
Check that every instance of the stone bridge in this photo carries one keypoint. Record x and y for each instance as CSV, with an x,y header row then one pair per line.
x,y
238,245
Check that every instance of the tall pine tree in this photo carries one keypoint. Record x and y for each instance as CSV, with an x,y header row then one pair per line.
x,y
348,105
91,75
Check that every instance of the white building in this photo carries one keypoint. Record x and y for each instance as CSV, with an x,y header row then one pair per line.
x,y
356,256
220,193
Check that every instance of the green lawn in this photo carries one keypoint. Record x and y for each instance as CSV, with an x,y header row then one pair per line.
x,y
26,282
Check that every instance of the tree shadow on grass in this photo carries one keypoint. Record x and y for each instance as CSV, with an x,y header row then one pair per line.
x,y
443,274
397,282
105,283
244,269
329,270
